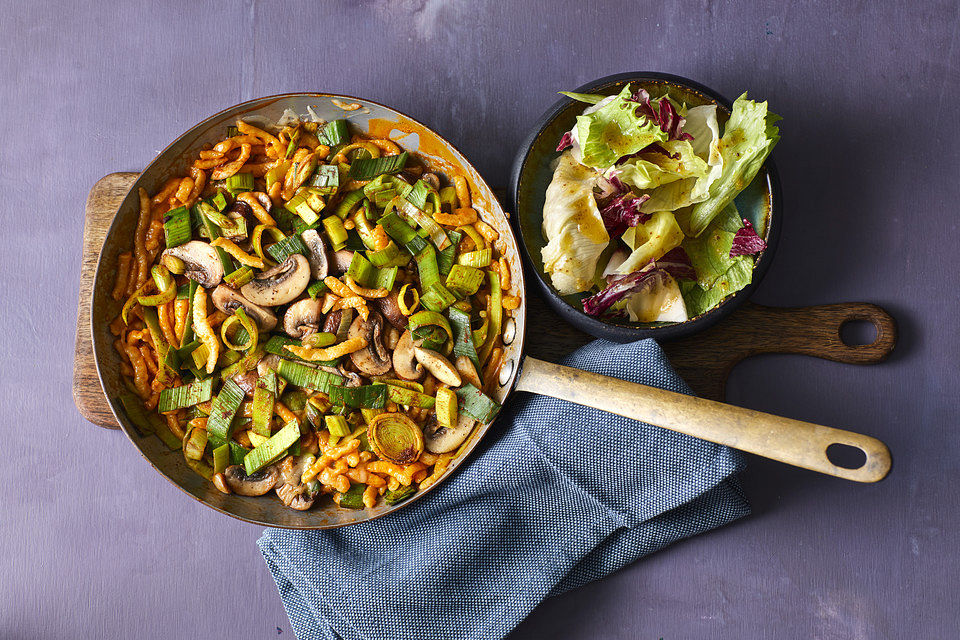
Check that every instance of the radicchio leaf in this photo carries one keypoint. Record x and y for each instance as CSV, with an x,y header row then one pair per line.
x,y
675,263
746,242
622,212
665,116
621,287
566,141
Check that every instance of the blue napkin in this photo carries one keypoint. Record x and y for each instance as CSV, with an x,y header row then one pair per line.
x,y
558,495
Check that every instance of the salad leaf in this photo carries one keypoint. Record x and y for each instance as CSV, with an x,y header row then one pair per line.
x,y
618,289
702,125
650,169
689,190
623,212
659,300
699,300
589,98
614,130
749,136
718,272
677,263
663,113
746,242
656,278
572,226
651,240
710,252
566,141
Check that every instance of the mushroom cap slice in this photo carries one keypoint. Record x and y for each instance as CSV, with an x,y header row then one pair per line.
x,y
201,262
303,318
228,300
319,265
374,359
395,437
255,484
296,497
389,306
280,284
405,360
440,439
267,364
441,368
340,261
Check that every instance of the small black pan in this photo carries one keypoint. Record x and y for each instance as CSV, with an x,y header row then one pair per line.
x,y
760,203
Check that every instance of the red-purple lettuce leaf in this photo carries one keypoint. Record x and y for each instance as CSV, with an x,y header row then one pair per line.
x,y
746,242
565,142
677,263
674,263
623,211
663,113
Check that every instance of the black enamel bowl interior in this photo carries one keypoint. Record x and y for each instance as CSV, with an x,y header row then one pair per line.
x,y
760,203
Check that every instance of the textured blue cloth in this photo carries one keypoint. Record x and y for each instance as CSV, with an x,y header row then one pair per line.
x,y
557,496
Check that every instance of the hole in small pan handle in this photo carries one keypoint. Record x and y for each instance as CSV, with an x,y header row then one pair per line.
x,y
857,332
846,456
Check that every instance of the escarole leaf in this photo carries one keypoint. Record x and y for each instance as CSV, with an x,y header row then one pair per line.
x,y
719,273
749,136
650,240
650,169
589,98
710,251
615,130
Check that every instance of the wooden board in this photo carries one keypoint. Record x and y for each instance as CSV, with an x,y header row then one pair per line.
x,y
704,360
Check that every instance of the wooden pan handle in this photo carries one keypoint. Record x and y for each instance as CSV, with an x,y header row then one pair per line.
x,y
815,331
802,444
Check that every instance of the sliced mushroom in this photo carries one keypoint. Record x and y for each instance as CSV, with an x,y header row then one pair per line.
x,y
201,262
353,379
319,265
390,308
303,318
332,323
468,372
295,497
280,284
291,489
405,360
246,381
393,337
440,439
432,180
255,484
441,368
267,364
340,262
374,359
229,300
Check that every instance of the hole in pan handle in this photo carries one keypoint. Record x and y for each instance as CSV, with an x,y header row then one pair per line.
x,y
794,442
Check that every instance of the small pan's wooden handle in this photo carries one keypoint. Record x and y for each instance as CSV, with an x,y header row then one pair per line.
x,y
815,331
802,444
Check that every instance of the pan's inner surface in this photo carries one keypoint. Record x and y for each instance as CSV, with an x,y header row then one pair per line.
x,y
755,203
173,161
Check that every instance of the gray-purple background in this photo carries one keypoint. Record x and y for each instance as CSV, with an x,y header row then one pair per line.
x,y
95,544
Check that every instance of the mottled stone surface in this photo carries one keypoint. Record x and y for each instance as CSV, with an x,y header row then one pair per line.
x,y
94,543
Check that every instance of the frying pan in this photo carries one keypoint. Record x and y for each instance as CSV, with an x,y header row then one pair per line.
x,y
794,442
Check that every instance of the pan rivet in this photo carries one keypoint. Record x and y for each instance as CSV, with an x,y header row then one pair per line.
x,y
509,331
506,370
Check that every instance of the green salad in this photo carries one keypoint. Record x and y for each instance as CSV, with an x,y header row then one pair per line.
x,y
639,217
